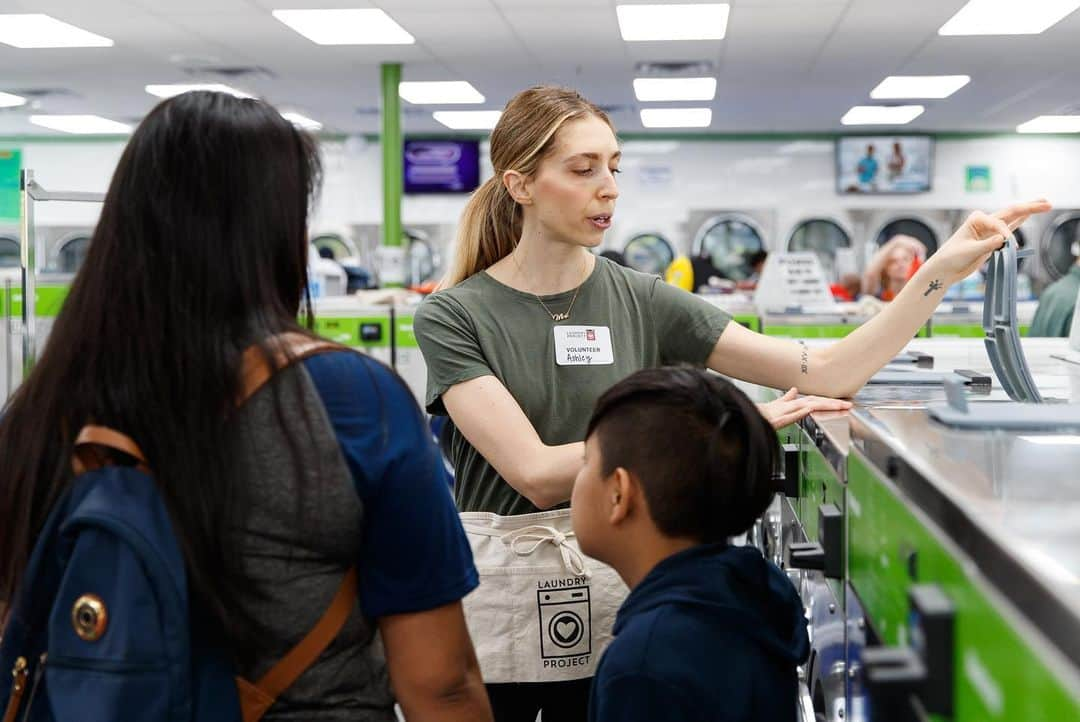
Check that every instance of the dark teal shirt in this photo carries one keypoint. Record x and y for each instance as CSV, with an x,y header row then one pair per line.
x,y
1055,313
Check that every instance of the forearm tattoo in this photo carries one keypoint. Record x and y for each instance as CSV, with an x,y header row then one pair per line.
x,y
934,286
805,359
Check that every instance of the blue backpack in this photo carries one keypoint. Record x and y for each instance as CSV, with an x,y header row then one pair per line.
x,y
101,629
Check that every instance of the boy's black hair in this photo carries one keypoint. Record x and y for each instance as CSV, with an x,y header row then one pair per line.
x,y
703,453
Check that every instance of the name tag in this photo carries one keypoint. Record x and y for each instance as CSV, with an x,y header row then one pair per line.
x,y
583,346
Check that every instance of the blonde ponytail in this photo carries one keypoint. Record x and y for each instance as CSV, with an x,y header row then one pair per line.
x,y
490,225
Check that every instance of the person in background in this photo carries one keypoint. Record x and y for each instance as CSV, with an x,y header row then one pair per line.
x,y
896,163
867,169
848,289
1054,315
756,262
893,266
677,462
201,253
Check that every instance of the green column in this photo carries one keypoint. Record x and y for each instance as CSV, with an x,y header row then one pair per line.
x,y
392,255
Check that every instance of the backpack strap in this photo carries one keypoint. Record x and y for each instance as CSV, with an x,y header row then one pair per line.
x,y
88,455
257,697
286,348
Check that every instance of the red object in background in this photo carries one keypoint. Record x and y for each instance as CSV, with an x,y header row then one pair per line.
x,y
916,264
840,293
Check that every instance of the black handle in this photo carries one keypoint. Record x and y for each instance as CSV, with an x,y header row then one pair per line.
x,y
826,555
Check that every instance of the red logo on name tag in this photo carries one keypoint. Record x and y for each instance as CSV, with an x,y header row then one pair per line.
x,y
590,335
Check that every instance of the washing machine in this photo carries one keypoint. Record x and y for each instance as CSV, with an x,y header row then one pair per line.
x,y
931,227
64,247
830,236
1059,233
649,252
730,237
9,248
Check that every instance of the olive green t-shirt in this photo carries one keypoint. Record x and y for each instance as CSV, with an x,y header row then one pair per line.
x,y
1054,315
622,321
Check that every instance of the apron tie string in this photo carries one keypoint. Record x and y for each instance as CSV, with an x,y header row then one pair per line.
x,y
519,543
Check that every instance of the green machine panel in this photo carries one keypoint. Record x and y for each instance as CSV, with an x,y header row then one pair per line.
x,y
1003,669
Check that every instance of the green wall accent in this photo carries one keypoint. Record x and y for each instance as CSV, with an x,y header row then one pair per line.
x,y
346,330
404,337
999,675
752,322
48,300
10,166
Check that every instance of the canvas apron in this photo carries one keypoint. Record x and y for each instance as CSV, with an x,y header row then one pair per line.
x,y
543,611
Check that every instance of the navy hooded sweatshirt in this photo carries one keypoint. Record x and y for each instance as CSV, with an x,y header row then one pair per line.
x,y
712,633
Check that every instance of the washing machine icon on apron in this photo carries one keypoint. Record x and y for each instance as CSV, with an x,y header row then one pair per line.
x,y
565,622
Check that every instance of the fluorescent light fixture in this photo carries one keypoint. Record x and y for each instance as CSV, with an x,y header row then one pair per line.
x,y
468,119
7,100
170,90
676,117
882,114
368,26
1007,17
82,124
35,30
302,121
1053,440
1051,124
673,22
919,86
439,93
649,89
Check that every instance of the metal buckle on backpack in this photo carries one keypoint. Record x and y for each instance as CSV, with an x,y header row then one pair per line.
x,y
89,617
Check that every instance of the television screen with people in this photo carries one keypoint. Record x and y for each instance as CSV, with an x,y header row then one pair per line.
x,y
884,164
441,166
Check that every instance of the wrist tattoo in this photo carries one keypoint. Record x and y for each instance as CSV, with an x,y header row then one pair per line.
x,y
934,286
805,360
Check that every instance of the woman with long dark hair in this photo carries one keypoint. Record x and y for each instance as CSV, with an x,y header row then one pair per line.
x,y
199,254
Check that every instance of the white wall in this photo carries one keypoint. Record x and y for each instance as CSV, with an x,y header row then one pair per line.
x,y
663,181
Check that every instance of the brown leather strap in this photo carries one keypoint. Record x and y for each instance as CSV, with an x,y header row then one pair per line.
x,y
286,348
92,439
303,655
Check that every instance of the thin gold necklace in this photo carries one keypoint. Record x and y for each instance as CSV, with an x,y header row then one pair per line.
x,y
556,317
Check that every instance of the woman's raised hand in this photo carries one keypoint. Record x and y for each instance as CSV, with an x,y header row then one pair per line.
x,y
980,235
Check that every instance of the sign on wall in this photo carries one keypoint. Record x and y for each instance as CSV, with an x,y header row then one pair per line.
x,y
10,165
977,179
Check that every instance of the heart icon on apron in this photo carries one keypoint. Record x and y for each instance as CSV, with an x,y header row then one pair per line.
x,y
566,629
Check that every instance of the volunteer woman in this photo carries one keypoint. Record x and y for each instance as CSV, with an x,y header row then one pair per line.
x,y
530,328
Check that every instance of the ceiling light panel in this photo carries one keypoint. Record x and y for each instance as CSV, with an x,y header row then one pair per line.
x,y
1007,17
676,117
302,121
1051,124
367,26
668,89
468,119
80,124
35,30
173,89
7,100
673,22
899,87
882,114
439,93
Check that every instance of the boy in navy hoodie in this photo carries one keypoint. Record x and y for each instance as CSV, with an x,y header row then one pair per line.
x,y
677,461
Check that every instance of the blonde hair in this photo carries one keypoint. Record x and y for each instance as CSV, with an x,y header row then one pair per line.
x,y
491,222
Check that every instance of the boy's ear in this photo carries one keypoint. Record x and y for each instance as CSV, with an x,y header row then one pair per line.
x,y
623,494
517,185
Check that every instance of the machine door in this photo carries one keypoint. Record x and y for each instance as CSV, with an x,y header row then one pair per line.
x,y
729,241
822,236
71,252
334,246
421,260
1059,248
649,253
909,227
9,252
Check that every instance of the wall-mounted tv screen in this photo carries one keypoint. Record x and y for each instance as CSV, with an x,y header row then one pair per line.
x,y
442,166
884,164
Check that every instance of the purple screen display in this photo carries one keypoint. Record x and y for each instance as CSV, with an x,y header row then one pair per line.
x,y
442,166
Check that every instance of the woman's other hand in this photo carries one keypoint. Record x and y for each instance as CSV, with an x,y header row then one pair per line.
x,y
980,235
791,407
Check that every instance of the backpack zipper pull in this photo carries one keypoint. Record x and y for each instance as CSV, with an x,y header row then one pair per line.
x,y
38,674
17,688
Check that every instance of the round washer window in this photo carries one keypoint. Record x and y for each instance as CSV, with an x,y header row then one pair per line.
x,y
649,253
72,253
1058,250
823,237
9,252
333,245
728,242
909,227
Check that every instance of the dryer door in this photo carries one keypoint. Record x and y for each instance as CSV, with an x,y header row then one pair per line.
x,y
649,253
334,246
822,236
9,252
1058,251
909,227
728,241
71,253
